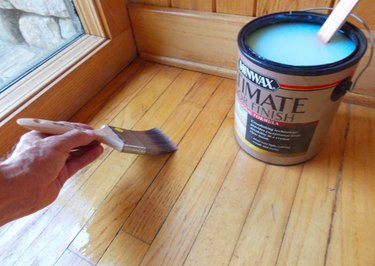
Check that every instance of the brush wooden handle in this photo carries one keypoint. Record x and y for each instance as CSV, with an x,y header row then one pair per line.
x,y
336,19
46,126
104,134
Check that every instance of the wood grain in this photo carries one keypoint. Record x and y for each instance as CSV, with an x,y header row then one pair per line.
x,y
336,19
353,234
220,71
151,211
209,203
260,7
62,89
105,105
201,5
265,7
180,38
366,83
238,7
89,15
124,250
189,212
18,95
263,230
165,3
200,37
76,83
25,231
365,11
72,259
114,16
307,233
86,201
105,224
218,236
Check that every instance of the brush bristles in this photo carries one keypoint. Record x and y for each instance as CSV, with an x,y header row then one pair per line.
x,y
155,141
152,141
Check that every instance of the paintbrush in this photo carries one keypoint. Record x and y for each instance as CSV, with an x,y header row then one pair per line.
x,y
152,141
336,19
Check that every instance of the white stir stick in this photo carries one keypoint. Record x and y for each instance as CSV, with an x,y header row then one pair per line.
x,y
336,19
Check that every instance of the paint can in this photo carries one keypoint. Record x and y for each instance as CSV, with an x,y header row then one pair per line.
x,y
282,111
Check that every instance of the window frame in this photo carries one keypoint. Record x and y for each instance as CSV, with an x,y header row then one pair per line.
x,y
61,86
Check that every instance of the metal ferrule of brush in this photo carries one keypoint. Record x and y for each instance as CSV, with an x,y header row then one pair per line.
x,y
124,140
117,139
133,149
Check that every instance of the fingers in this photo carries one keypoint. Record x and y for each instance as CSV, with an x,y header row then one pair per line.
x,y
64,143
81,158
27,140
32,136
71,140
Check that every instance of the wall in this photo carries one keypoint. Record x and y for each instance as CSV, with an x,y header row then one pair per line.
x,y
201,34
260,7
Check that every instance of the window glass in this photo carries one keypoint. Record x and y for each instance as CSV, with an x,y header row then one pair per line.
x,y
31,32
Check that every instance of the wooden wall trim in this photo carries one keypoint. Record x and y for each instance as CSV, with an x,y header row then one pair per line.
x,y
203,38
62,98
32,84
59,93
207,42
190,65
90,18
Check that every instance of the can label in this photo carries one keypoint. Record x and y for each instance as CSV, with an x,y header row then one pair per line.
x,y
263,81
268,135
274,118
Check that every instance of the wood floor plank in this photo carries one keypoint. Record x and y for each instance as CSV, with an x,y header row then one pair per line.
x,y
14,246
171,98
111,91
104,108
209,203
19,235
155,205
71,259
306,236
124,250
353,229
16,241
105,224
222,228
188,214
141,104
109,219
264,228
52,242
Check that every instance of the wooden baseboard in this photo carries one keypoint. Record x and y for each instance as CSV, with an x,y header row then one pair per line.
x,y
207,42
360,99
201,38
190,65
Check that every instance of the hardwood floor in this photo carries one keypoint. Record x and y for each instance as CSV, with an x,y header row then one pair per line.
x,y
209,203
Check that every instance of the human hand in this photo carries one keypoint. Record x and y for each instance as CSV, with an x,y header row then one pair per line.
x,y
32,177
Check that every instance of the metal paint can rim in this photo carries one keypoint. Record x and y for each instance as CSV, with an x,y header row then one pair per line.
x,y
351,31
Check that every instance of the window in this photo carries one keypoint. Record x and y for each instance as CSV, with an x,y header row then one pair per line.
x,y
65,82
31,32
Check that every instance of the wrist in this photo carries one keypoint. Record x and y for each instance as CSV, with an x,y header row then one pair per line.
x,y
13,204
6,193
